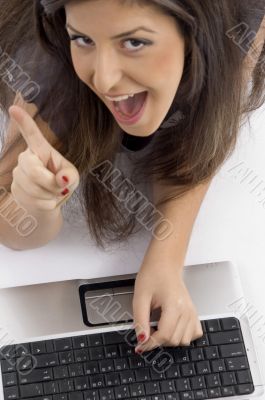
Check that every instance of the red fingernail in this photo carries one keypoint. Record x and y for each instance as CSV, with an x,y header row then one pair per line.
x,y
138,351
141,337
66,191
66,179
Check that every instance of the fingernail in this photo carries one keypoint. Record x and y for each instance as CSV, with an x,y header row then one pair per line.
x,y
138,351
66,191
141,337
65,179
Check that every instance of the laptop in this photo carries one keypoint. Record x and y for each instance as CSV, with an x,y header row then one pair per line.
x,y
74,340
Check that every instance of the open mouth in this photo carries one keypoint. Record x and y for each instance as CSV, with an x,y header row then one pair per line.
x,y
127,110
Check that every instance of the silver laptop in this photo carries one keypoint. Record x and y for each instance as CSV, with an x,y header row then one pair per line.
x,y
68,309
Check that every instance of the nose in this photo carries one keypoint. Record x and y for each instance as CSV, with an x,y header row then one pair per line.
x,y
106,72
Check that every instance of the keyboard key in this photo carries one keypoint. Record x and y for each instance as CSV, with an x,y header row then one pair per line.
x,y
180,355
79,342
229,323
142,375
211,352
91,395
24,363
9,351
66,357
197,382
63,344
113,379
106,394
11,393
214,392
66,385
126,350
81,355
245,389
112,351
122,392
203,367
10,379
75,396
94,340
127,377
186,395
152,388
173,372
200,394
7,366
38,348
155,375
243,376
225,337
228,378
108,366
170,396
202,341
136,362
228,391
47,360
187,370
213,325
91,367
167,386
113,337
51,387
213,380
37,375
22,349
60,372
75,370
97,381
81,383
32,390
218,365
60,396
49,346
196,354
137,389
97,353
182,384
236,363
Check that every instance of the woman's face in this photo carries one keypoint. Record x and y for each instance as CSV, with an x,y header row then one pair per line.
x,y
150,60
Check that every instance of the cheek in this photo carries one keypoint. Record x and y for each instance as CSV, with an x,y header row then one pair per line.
x,y
79,66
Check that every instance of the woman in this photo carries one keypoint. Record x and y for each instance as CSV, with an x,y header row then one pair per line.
x,y
187,64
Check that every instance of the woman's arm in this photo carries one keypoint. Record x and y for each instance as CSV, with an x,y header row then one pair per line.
x,y
181,213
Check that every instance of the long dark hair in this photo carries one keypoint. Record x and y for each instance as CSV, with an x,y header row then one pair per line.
x,y
212,99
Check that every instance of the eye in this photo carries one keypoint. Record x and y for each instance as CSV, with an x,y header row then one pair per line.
x,y
136,41
75,38
86,42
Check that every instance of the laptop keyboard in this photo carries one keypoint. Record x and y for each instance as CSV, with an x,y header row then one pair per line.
x,y
104,366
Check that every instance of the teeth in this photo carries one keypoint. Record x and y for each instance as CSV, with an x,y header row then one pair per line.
x,y
120,98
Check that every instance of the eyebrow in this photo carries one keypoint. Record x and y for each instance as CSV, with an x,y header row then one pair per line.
x,y
120,35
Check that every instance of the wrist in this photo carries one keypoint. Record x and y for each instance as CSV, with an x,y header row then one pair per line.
x,y
157,260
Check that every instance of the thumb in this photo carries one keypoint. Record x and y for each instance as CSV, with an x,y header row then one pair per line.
x,y
141,311
67,175
30,131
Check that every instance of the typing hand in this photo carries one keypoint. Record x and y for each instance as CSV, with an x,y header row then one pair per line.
x,y
42,173
162,286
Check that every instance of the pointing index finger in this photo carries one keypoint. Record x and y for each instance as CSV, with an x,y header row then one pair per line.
x,y
30,131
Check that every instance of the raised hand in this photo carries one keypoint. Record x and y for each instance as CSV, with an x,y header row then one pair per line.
x,y
42,177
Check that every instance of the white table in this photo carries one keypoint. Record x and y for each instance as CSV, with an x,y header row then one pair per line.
x,y
230,225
